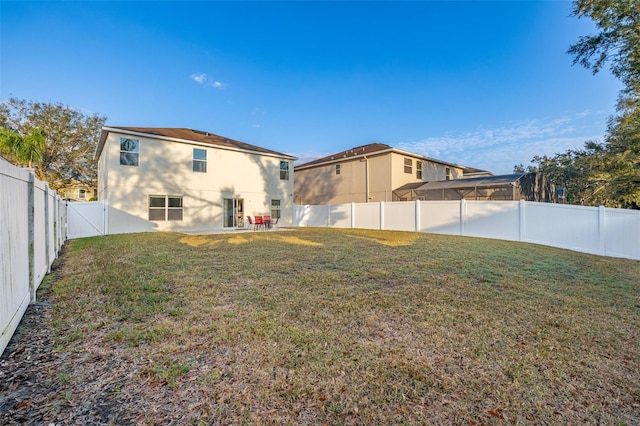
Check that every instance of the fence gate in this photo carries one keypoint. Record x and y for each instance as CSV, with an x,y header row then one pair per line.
x,y
85,219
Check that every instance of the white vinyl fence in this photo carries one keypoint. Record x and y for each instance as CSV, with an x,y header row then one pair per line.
x,y
596,230
32,231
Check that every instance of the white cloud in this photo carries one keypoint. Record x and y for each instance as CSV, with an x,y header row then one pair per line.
x,y
199,77
203,79
305,157
499,149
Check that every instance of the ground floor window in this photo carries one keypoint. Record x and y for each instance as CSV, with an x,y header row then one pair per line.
x,y
275,209
165,207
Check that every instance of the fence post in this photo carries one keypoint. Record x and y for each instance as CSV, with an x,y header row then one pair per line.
x,y
353,215
463,212
417,215
521,221
47,240
602,237
381,215
31,233
328,215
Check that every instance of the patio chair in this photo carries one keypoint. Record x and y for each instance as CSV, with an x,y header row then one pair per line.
x,y
267,222
251,224
276,222
259,223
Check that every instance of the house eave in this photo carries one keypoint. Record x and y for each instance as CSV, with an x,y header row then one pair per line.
x,y
106,130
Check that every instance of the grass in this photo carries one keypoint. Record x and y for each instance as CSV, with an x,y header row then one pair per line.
x,y
360,327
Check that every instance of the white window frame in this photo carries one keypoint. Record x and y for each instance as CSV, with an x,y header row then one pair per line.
x,y
82,194
199,164
419,169
447,173
284,170
337,169
127,155
169,211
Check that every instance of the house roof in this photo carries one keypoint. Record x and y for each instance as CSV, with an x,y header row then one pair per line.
x,y
470,171
184,135
484,182
361,151
466,183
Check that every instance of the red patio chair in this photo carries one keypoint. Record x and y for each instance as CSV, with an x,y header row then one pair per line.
x,y
251,224
267,222
259,223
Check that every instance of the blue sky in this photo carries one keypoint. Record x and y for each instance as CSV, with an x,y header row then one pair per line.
x,y
484,84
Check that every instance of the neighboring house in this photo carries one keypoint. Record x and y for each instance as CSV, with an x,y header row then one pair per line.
x,y
188,180
78,192
366,173
513,187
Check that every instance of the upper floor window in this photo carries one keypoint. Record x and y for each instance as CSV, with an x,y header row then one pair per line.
x,y
82,194
165,207
447,173
337,169
419,169
199,160
408,165
129,151
284,170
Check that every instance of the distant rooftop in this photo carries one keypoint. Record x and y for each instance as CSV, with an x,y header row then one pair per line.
x,y
360,151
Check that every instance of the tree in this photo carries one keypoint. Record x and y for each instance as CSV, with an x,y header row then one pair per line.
x,y
606,173
57,140
25,150
618,41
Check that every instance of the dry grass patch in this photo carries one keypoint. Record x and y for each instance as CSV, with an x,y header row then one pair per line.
x,y
351,327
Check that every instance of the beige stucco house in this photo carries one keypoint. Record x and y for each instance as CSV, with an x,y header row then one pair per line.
x,y
187,180
368,173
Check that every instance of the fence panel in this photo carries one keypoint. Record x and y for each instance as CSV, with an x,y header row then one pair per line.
x,y
311,215
340,216
440,217
562,225
40,262
85,219
622,230
494,219
367,215
31,236
400,216
14,242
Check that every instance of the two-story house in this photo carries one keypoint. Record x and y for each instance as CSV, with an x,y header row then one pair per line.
x,y
177,179
367,173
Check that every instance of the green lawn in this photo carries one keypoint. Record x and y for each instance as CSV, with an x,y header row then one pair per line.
x,y
349,327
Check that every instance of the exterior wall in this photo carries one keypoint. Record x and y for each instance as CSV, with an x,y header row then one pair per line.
x,y
321,184
166,168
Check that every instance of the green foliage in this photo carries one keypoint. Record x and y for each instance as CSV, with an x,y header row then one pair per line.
x,y
606,173
23,150
55,139
618,41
